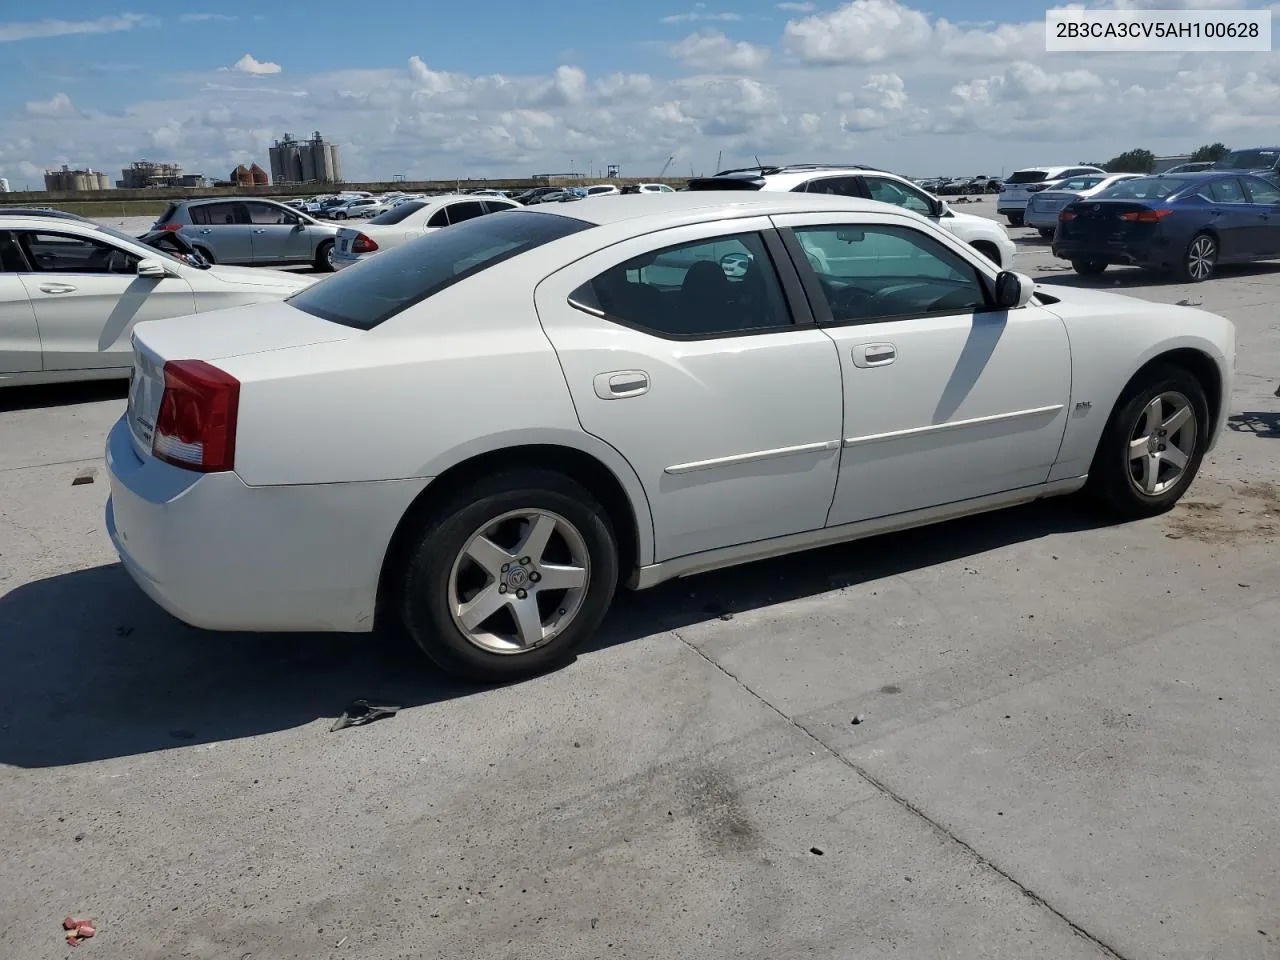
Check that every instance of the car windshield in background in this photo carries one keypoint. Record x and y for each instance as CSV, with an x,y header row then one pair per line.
x,y
1248,160
397,279
1028,176
1144,188
396,214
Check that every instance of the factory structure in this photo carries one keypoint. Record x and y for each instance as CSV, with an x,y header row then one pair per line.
x,y
305,161
68,180
144,173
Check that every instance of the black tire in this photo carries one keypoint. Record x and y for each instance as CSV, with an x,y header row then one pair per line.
x,y
204,252
1015,219
1189,269
339,216
1047,232
1111,480
1088,268
322,263
443,534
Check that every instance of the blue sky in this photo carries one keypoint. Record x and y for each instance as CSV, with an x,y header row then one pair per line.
x,y
463,90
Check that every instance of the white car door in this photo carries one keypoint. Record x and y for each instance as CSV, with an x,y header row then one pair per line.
x,y
721,392
946,398
87,297
19,335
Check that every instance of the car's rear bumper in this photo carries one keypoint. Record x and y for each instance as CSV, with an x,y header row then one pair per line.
x,y
342,260
1151,254
223,555
1005,205
1040,218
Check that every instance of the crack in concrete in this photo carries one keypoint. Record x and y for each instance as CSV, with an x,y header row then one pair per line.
x,y
910,807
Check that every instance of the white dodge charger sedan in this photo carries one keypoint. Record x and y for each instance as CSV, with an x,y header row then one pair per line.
x,y
71,292
486,431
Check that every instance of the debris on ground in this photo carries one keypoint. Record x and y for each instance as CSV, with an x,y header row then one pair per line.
x,y
361,712
860,718
816,851
78,930
83,477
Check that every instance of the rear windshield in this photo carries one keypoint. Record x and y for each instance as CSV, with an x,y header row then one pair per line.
x,y
1028,176
396,214
168,214
365,296
1144,188
1248,160
721,183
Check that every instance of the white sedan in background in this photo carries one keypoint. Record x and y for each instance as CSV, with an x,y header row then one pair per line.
x,y
488,430
1045,205
71,292
409,221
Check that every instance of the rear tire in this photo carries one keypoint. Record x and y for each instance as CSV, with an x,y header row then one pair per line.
x,y
1200,260
324,257
467,559
1015,219
1153,444
1088,268
1047,232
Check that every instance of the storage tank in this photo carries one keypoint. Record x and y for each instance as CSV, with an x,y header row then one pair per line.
x,y
4,185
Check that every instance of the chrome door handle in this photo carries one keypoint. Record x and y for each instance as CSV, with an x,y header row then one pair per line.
x,y
260,231
206,230
57,288
618,384
874,354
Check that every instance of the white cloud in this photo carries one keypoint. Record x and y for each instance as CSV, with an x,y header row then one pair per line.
x,y
207,18
861,32
803,7
60,28
58,106
247,64
700,13
712,50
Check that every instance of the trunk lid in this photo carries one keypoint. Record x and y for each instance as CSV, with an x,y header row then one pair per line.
x,y
1103,220
216,336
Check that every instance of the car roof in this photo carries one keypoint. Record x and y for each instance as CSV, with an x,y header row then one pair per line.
x,y
679,207
39,212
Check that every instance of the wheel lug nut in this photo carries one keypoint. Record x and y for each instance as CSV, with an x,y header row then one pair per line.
x,y
535,576
524,561
502,588
520,594
506,567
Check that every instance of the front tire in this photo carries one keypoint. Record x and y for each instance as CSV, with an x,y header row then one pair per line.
x,y
324,257
1088,268
1015,219
510,576
1153,443
1047,232
1200,260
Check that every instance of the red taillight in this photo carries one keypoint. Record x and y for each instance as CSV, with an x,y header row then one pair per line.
x,y
196,426
171,227
1145,216
363,244
1066,215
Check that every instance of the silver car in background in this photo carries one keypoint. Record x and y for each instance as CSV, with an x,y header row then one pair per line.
x,y
250,233
1044,206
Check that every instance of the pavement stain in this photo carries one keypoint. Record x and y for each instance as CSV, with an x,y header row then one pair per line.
x,y
1248,512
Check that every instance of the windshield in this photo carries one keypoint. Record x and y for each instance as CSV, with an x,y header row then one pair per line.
x,y
403,276
1248,160
398,213
1028,176
1143,188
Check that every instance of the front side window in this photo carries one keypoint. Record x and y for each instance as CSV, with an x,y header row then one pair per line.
x,y
707,288
63,253
1262,192
889,191
397,279
879,272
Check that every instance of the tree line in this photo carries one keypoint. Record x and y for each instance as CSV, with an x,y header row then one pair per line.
x,y
1140,160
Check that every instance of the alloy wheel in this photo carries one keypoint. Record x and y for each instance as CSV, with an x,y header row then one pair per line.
x,y
1200,258
1162,443
519,581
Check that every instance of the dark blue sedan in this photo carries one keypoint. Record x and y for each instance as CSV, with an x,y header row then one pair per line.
x,y
1184,222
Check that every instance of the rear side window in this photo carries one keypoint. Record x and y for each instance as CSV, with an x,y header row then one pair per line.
x,y
168,214
1027,176
497,206
11,259
461,212
396,214
1227,190
399,278
217,214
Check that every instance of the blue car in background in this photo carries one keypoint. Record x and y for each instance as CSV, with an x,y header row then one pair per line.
x,y
1188,223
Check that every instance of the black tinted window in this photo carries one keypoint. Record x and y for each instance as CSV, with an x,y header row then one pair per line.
x,y
1027,176
876,272
707,288
439,219
396,214
838,186
398,278
461,212
497,206
215,214
11,259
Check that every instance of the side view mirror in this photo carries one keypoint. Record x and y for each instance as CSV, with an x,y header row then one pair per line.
x,y
938,208
152,269
1013,289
